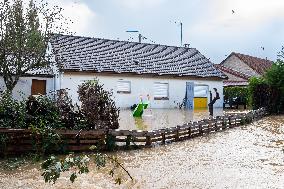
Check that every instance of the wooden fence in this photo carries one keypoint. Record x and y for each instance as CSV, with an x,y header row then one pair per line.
x,y
15,141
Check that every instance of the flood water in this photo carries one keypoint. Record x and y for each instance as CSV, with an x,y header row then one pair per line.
x,y
250,156
162,118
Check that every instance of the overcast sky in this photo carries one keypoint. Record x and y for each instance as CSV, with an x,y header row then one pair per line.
x,y
208,25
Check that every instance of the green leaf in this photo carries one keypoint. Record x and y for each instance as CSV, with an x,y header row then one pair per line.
x,y
73,177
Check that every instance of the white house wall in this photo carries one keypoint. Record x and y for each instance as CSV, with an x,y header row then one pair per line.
x,y
23,87
140,85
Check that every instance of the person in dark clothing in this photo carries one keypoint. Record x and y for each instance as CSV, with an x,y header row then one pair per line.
x,y
217,97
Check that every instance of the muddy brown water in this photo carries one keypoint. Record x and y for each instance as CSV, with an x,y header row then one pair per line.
x,y
250,156
162,118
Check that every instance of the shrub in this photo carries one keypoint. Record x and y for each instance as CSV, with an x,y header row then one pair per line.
x,y
98,110
237,92
12,112
268,91
256,89
98,106
42,112
71,115
275,79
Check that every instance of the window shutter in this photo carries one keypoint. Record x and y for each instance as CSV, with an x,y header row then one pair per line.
x,y
123,87
161,90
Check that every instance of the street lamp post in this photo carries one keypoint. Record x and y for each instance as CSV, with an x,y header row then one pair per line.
x,y
180,23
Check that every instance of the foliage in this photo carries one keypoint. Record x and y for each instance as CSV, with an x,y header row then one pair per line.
x,y
12,112
45,139
53,167
42,112
98,110
236,92
24,37
275,75
257,92
98,106
275,79
110,142
71,115
269,91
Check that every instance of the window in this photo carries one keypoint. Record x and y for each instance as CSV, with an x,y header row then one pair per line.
x,y
161,91
200,91
124,87
38,87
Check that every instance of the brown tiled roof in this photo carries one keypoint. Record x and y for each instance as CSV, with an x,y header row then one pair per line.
x,y
258,64
235,83
75,53
231,71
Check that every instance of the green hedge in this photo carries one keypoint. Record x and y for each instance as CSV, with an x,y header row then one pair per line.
x,y
268,91
234,92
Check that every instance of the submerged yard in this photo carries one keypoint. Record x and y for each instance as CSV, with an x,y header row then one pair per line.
x,y
249,156
162,118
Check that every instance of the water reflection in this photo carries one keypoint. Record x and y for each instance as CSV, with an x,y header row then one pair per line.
x,y
162,118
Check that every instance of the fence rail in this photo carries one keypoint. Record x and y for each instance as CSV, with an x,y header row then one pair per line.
x,y
14,141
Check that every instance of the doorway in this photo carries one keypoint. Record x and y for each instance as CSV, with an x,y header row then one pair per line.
x,y
38,87
201,96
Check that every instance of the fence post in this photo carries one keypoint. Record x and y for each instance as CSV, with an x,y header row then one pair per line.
x,y
189,130
207,122
231,123
128,139
177,133
163,137
225,122
200,128
216,124
148,140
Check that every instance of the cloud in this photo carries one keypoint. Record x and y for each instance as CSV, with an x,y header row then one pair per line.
x,y
81,16
249,14
79,13
138,4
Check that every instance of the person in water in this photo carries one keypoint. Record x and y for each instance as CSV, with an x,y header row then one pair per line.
x,y
217,97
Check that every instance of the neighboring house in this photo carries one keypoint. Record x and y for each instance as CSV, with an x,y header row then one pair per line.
x,y
35,82
239,68
170,75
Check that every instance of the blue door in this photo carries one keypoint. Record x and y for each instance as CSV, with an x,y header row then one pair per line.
x,y
189,95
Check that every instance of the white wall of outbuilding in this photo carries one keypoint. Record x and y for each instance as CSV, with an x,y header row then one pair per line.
x,y
23,88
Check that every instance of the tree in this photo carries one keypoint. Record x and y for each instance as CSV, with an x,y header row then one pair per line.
x,y
24,37
281,54
275,79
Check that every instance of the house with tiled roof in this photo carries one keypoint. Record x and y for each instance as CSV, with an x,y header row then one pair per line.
x,y
170,75
239,68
